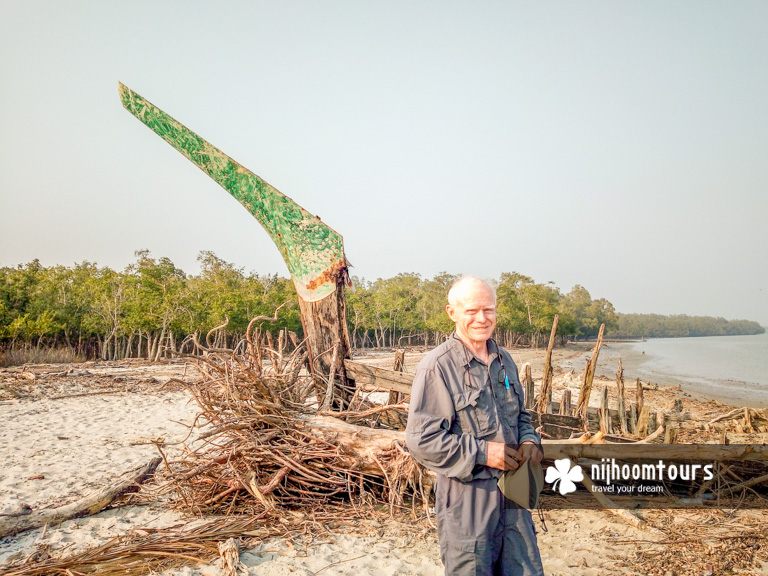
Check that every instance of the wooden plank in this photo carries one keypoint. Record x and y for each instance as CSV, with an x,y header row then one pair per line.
x,y
671,452
560,420
556,432
366,375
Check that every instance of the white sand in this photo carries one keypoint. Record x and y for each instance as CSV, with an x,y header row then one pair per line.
x,y
84,443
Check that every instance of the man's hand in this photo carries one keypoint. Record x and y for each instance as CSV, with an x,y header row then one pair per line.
x,y
505,457
529,450
502,456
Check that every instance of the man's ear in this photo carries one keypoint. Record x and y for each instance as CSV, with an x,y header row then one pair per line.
x,y
450,310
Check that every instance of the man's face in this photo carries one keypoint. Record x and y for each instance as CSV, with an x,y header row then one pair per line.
x,y
474,314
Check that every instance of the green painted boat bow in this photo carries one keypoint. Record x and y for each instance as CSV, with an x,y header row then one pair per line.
x,y
313,251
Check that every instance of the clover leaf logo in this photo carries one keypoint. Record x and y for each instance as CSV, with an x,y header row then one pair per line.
x,y
563,473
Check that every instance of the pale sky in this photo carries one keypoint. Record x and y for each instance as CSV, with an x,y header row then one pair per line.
x,y
622,146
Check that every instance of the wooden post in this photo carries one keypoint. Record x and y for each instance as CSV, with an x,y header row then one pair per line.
x,y
605,415
528,388
589,376
620,393
632,418
670,433
545,393
398,366
639,396
642,422
565,403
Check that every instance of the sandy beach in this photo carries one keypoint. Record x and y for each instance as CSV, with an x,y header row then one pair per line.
x,y
70,430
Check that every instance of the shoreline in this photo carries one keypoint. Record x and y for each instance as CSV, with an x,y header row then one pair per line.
x,y
574,355
733,392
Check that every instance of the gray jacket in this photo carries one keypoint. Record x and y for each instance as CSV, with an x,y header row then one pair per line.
x,y
458,406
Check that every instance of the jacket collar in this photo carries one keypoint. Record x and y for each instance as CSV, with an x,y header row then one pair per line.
x,y
467,355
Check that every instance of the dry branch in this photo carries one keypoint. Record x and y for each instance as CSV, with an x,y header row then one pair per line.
x,y
91,504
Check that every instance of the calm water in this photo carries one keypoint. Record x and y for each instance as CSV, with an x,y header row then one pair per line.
x,y
733,368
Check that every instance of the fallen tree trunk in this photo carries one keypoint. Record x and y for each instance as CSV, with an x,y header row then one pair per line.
x,y
361,446
91,504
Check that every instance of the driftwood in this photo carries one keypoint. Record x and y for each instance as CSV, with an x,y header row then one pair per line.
x,y
620,394
545,394
91,504
639,399
528,386
589,376
359,444
747,413
397,366
642,421
610,505
605,417
229,554
365,375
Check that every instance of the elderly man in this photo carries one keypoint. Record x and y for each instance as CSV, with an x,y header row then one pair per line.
x,y
467,422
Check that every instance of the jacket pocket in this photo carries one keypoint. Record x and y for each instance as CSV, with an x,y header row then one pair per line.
x,y
476,412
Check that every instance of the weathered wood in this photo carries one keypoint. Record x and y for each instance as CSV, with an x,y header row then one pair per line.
x,y
749,483
642,422
639,402
605,417
556,432
751,413
632,419
325,328
545,393
610,505
398,366
365,375
560,420
86,506
313,252
748,421
229,557
331,388
362,446
593,416
641,451
670,434
620,394
528,387
653,421
589,376
565,403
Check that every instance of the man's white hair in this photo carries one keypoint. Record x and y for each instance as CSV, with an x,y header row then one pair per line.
x,y
465,284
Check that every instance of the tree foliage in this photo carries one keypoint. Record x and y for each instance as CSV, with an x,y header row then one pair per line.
x,y
679,326
150,307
